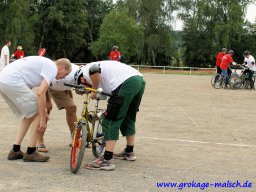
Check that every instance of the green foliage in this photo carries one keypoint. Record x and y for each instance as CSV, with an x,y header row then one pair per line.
x,y
121,30
84,29
62,29
18,27
209,26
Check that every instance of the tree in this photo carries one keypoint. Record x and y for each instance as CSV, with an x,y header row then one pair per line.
x,y
209,26
17,25
118,29
155,16
61,27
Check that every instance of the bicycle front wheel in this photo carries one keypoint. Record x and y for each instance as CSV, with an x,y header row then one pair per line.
x,y
235,82
98,144
78,147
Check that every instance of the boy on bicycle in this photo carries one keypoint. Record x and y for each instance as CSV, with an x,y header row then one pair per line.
x,y
249,62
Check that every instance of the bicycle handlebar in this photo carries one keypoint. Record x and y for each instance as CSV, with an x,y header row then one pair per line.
x,y
88,89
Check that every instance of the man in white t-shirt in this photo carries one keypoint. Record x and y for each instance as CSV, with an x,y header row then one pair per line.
x,y
249,62
16,82
63,98
126,85
5,54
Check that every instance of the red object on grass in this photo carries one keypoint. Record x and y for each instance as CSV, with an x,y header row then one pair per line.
x,y
41,52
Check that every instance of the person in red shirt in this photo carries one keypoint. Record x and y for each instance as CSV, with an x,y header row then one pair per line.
x,y
115,54
219,58
224,65
19,53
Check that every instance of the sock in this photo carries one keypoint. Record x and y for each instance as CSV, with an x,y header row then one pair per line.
x,y
108,155
129,149
31,150
16,148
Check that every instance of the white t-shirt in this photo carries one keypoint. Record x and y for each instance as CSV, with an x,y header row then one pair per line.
x,y
4,51
29,71
113,74
249,62
58,85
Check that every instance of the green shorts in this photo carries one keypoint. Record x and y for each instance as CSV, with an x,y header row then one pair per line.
x,y
122,108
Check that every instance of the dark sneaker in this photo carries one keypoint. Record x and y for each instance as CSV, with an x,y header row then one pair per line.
x,y
35,157
101,164
15,155
125,156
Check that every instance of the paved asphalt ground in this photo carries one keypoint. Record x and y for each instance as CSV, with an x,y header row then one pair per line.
x,y
187,131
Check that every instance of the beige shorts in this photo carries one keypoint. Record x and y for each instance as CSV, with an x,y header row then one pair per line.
x,y
21,100
62,99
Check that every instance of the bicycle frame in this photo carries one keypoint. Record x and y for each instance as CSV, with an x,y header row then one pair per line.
x,y
91,117
88,130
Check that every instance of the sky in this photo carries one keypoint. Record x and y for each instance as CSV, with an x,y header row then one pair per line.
x,y
251,13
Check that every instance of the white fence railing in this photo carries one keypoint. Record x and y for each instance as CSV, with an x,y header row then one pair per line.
x,y
166,68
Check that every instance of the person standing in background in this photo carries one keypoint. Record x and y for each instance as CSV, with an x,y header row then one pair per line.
x,y
226,61
249,62
5,54
219,58
19,53
115,54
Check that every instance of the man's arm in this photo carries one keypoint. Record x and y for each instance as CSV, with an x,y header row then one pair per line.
x,y
48,103
96,77
41,97
5,59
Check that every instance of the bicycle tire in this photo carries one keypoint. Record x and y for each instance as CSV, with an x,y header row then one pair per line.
x,y
235,82
98,144
246,84
78,147
217,81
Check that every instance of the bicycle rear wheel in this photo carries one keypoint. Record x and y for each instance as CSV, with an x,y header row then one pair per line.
x,y
217,81
98,144
78,147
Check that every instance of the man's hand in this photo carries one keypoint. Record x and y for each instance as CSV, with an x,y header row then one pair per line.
x,y
80,91
42,125
93,95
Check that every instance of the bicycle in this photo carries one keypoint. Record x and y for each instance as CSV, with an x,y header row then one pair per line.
x,y
88,131
239,81
217,80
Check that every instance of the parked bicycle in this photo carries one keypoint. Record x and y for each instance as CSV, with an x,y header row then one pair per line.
x,y
242,80
88,130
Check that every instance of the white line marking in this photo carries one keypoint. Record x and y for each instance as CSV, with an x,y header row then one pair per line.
x,y
8,125
165,139
189,117
201,142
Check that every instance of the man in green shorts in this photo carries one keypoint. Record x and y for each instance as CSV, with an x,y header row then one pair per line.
x,y
126,85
